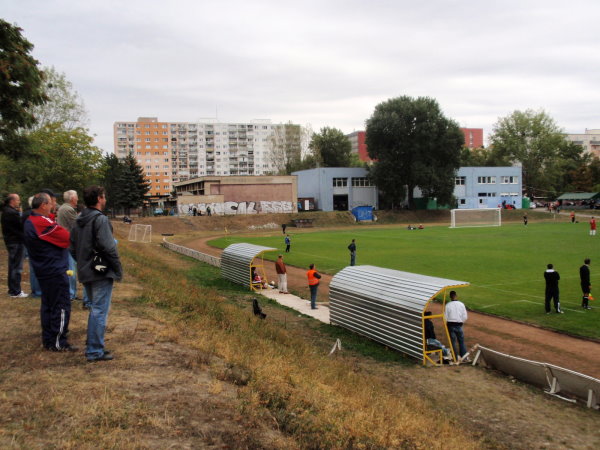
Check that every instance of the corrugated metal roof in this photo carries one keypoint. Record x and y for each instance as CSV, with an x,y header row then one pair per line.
x,y
579,196
236,260
385,305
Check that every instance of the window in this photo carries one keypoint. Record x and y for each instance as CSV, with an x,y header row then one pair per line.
x,y
340,182
509,180
486,180
486,194
463,201
361,182
460,181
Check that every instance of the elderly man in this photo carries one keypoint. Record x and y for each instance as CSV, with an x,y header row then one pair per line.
x,y
65,217
47,244
92,235
12,230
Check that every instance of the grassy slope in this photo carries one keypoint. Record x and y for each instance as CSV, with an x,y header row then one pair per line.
x,y
504,265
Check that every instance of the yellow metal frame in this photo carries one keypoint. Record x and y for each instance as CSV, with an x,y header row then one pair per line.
x,y
428,353
257,287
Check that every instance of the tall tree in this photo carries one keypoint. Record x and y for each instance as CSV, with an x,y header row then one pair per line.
x,y
141,186
332,147
286,149
413,144
64,105
533,140
21,89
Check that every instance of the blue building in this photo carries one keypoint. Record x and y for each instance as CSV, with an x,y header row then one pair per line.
x,y
336,188
488,187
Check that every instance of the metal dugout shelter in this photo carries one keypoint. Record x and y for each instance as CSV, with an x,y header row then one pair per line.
x,y
388,306
237,262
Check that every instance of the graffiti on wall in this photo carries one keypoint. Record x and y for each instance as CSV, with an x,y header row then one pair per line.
x,y
232,208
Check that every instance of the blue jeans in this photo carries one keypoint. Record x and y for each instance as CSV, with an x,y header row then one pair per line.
x,y
458,339
352,258
15,267
99,294
72,278
313,295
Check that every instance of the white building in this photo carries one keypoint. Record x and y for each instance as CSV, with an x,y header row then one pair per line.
x,y
590,141
488,187
170,152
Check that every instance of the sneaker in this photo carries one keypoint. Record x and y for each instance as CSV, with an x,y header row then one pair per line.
x,y
587,307
560,312
104,357
20,295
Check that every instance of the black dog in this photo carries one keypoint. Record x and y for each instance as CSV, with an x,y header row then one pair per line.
x,y
256,309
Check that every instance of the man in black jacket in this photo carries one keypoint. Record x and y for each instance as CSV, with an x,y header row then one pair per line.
x,y
92,234
551,276
12,230
586,284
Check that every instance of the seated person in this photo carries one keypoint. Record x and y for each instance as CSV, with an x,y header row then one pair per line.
x,y
126,219
257,280
431,339
410,227
421,227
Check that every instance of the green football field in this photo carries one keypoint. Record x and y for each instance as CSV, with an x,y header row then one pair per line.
x,y
504,265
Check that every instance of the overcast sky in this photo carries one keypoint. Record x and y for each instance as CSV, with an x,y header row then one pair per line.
x,y
324,63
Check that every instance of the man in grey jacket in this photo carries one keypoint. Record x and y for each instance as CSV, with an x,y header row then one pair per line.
x,y
93,233
66,217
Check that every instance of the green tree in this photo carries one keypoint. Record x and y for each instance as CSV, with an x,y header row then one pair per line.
x,y
59,159
139,185
21,89
112,176
64,105
413,144
285,147
331,147
533,140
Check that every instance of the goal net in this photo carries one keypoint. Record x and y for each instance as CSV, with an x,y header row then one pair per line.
x,y
140,233
481,217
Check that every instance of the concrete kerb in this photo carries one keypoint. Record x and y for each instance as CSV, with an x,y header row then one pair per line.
x,y
291,301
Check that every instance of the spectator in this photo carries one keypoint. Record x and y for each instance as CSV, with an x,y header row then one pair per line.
x,y
47,243
586,284
456,316
352,248
36,291
12,231
282,275
313,284
288,243
551,276
65,217
431,339
92,236
592,226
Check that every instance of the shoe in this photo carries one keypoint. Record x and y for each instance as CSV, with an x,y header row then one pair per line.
x,y
20,295
548,312
286,292
281,292
314,308
66,348
104,357
560,312
587,307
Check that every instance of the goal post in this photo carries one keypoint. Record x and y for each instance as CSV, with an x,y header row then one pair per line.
x,y
140,233
480,217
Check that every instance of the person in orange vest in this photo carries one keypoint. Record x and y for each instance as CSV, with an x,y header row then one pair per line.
x,y
572,216
313,284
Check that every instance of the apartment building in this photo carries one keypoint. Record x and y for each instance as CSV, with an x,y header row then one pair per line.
x,y
590,141
170,152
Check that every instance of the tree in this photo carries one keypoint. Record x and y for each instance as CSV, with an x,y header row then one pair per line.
x,y
332,147
21,89
64,105
125,183
286,150
58,159
413,144
533,140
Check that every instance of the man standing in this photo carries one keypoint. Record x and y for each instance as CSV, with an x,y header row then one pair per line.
x,y
282,275
586,285
551,276
593,227
456,315
572,216
12,230
65,217
288,243
313,284
92,235
352,248
47,244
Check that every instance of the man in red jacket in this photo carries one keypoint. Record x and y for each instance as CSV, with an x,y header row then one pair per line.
x,y
47,244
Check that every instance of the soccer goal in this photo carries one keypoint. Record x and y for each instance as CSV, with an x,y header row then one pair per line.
x,y
140,233
481,217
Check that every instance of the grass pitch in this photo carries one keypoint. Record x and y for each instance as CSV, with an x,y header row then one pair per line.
x,y
505,265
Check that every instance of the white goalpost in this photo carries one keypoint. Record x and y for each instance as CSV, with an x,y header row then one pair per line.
x,y
480,217
140,233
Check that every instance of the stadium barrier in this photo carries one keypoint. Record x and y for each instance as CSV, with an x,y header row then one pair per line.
x,y
209,259
555,380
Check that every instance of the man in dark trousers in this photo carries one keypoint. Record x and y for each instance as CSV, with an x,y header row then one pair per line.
x,y
92,234
12,231
47,243
288,243
551,276
352,248
586,284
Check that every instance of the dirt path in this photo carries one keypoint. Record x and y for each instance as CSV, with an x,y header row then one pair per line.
x,y
504,335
